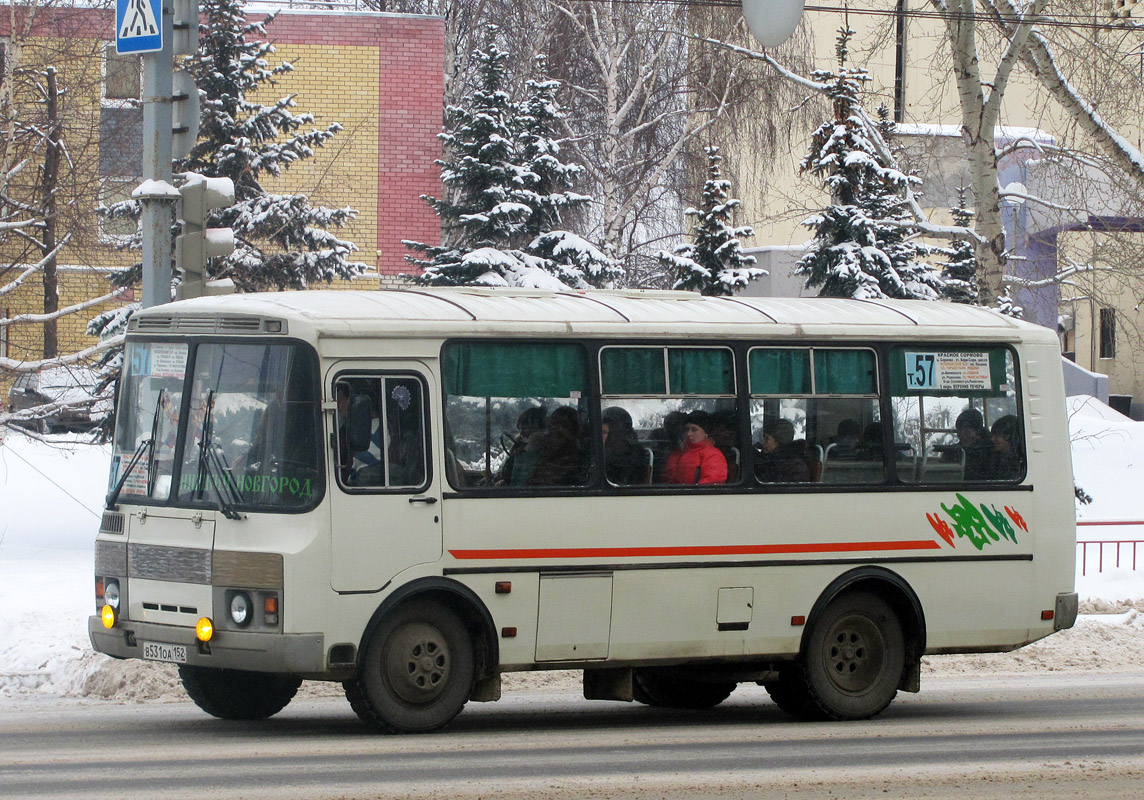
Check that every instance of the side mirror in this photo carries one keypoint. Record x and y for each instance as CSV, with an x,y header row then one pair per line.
x,y
358,424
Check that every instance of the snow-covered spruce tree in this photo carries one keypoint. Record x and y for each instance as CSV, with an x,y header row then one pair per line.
x,y
505,191
862,246
959,270
547,190
714,262
281,240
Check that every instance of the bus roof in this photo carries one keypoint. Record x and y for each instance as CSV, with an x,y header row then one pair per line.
x,y
451,311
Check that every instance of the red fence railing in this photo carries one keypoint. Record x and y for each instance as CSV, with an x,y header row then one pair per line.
x,y
1131,547
1115,544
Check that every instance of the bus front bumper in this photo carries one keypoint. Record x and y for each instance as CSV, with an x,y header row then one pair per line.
x,y
296,653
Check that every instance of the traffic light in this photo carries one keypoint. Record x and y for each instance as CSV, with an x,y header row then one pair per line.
x,y
184,113
198,196
185,27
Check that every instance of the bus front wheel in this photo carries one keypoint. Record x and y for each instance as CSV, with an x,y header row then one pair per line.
x,y
237,694
417,671
853,662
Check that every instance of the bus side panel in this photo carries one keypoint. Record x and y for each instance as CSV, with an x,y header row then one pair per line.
x,y
678,564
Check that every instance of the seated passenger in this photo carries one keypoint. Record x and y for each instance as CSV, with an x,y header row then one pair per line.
x,y
666,440
559,456
778,458
845,442
368,469
700,461
973,443
1005,460
871,448
530,423
625,460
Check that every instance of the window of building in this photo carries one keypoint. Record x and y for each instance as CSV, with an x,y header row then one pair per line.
x,y
815,415
956,415
1108,333
516,415
671,416
121,74
117,190
120,137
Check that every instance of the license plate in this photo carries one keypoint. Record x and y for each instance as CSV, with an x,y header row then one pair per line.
x,y
157,651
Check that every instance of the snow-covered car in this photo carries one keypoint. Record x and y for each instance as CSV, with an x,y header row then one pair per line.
x,y
66,395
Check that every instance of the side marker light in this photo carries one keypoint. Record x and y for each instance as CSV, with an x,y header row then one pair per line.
x,y
1047,615
204,629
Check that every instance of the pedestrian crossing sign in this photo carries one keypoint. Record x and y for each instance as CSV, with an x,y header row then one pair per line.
x,y
138,26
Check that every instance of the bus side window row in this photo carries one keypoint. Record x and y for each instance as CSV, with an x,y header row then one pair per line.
x,y
517,416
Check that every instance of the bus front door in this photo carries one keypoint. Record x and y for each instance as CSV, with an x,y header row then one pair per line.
x,y
386,514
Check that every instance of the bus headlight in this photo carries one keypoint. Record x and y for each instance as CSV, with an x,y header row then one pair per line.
x,y
240,609
108,615
111,593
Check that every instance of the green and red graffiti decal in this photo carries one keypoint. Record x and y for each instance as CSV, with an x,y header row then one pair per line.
x,y
981,524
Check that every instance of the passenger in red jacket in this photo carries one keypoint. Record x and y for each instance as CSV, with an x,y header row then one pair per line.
x,y
700,461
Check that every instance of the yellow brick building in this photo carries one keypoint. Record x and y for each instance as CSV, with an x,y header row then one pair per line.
x,y
380,76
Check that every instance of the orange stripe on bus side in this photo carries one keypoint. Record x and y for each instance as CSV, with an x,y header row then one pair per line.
x,y
698,550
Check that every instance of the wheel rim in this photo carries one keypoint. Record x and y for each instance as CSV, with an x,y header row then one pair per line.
x,y
417,662
854,654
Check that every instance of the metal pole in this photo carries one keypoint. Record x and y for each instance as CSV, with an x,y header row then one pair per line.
x,y
156,192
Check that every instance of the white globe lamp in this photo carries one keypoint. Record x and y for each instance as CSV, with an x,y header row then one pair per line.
x,y
772,22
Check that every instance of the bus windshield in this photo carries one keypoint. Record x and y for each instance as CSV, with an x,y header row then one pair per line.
x,y
220,424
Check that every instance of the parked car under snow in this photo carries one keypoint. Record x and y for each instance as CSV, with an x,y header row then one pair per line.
x,y
64,393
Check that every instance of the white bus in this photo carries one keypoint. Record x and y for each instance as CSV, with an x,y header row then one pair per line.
x,y
415,491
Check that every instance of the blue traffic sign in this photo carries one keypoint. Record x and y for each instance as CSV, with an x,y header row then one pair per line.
x,y
138,26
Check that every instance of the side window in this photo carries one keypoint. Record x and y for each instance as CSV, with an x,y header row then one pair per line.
x,y
120,138
389,448
815,415
958,413
515,415
669,416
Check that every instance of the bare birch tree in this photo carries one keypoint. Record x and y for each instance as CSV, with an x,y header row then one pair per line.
x,y
49,185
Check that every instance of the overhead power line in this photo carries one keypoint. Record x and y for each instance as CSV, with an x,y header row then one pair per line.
x,y
1056,20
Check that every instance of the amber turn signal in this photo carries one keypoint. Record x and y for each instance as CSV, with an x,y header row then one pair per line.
x,y
204,629
107,614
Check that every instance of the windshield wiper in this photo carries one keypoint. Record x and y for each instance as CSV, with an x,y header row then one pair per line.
x,y
209,467
151,471
145,445
113,496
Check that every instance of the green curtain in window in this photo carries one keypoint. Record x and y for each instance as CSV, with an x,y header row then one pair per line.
x,y
845,372
781,372
495,369
632,370
694,371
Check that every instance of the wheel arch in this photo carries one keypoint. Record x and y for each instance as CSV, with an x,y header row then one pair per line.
x,y
896,591
459,598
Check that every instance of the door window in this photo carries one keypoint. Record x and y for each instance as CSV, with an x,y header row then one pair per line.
x,y
389,411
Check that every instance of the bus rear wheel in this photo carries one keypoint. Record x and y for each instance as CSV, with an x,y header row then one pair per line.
x,y
665,688
237,694
417,670
852,665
